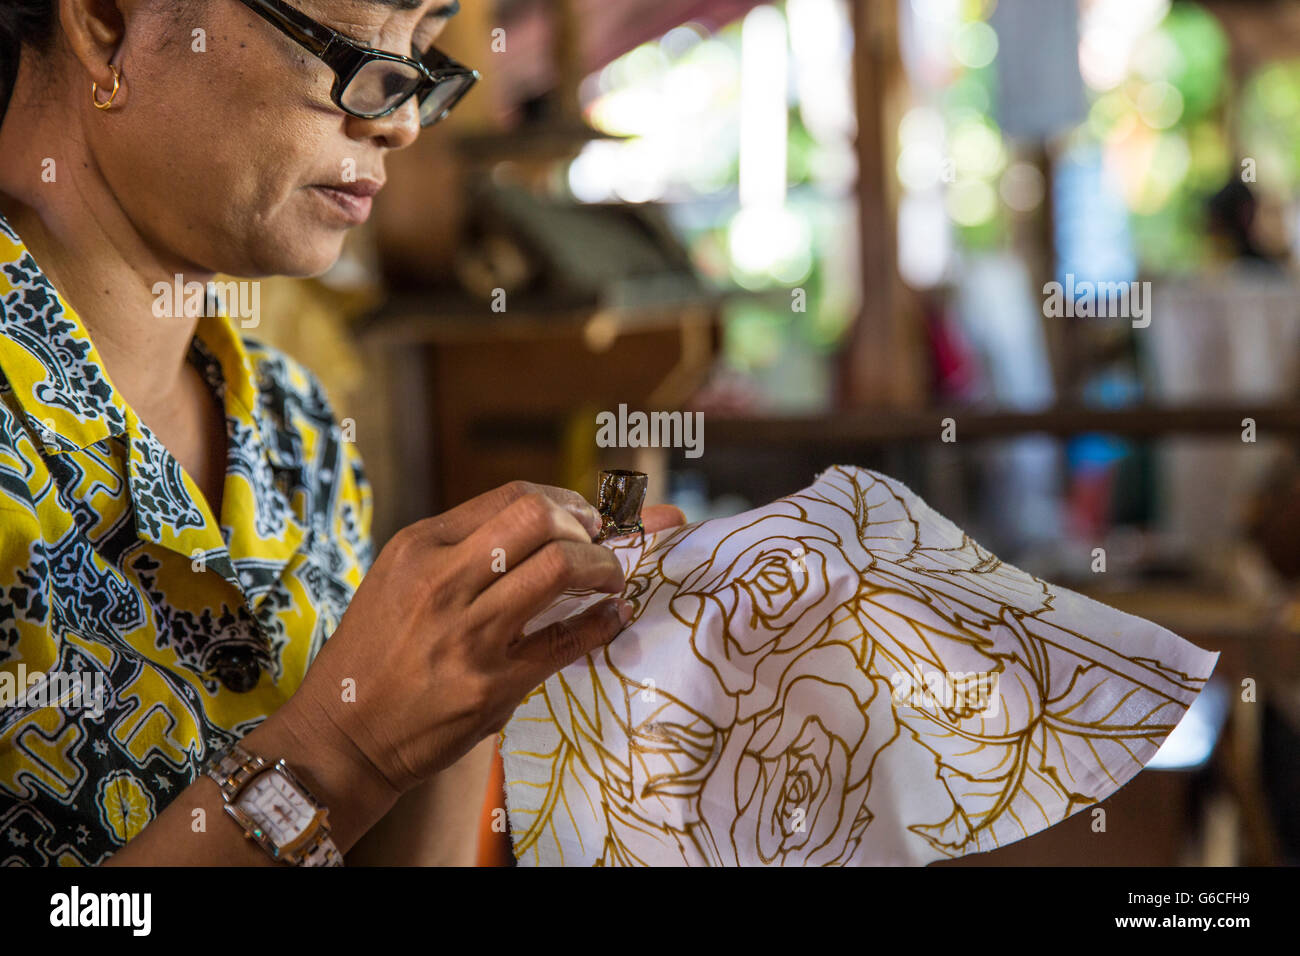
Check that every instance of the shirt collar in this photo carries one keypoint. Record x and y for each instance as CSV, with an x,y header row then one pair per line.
x,y
63,388
61,383
48,359
255,398
262,442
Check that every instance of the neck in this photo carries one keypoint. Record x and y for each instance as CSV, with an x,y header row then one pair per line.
x,y
56,198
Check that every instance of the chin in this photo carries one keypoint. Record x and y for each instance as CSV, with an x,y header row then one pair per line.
x,y
303,255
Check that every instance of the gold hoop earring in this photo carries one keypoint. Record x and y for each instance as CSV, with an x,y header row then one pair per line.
x,y
94,91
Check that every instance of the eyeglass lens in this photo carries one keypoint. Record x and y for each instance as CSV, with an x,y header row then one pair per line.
x,y
382,84
379,86
442,98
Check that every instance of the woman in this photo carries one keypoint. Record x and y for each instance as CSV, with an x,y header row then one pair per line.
x,y
181,520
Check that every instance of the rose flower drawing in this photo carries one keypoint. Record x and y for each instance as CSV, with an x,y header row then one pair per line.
x,y
773,701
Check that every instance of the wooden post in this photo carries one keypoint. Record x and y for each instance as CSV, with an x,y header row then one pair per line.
x,y
882,359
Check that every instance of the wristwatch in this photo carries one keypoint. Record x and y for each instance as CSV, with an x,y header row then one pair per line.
x,y
277,812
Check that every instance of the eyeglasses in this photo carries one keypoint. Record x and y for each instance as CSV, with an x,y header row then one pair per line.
x,y
371,83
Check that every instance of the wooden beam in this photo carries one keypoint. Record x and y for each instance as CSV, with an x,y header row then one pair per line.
x,y
881,361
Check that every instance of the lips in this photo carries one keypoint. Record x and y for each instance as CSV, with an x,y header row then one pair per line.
x,y
351,201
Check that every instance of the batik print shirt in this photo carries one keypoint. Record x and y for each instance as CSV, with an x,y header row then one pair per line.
x,y
121,587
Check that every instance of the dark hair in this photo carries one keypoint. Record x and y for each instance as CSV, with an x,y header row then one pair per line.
x,y
22,23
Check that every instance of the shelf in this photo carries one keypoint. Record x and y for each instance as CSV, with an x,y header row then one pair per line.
x,y
889,426
413,318
538,142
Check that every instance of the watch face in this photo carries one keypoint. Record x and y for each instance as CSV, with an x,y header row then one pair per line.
x,y
280,809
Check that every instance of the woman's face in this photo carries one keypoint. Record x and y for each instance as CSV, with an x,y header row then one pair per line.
x,y
226,142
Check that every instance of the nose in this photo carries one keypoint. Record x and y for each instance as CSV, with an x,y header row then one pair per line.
x,y
397,130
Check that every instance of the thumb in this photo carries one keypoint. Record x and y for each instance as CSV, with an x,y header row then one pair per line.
x,y
552,648
658,517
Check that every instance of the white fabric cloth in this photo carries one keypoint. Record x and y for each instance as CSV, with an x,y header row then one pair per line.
x,y
840,677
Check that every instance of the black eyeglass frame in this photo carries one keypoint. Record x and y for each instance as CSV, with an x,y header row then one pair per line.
x,y
346,57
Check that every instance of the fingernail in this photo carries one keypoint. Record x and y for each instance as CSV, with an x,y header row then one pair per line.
x,y
625,610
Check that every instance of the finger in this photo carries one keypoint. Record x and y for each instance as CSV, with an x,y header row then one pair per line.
x,y
538,655
658,517
517,596
454,526
509,538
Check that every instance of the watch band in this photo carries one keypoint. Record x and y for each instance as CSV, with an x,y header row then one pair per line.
x,y
323,852
233,770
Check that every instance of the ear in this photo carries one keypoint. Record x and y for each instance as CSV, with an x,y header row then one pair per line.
x,y
94,30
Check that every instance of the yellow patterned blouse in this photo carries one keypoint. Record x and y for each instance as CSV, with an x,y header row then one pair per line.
x,y
137,631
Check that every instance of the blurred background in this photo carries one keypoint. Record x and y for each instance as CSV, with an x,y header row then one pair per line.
x,y
828,226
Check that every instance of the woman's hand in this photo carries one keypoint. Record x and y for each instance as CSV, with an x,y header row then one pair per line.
x,y
430,657
427,661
